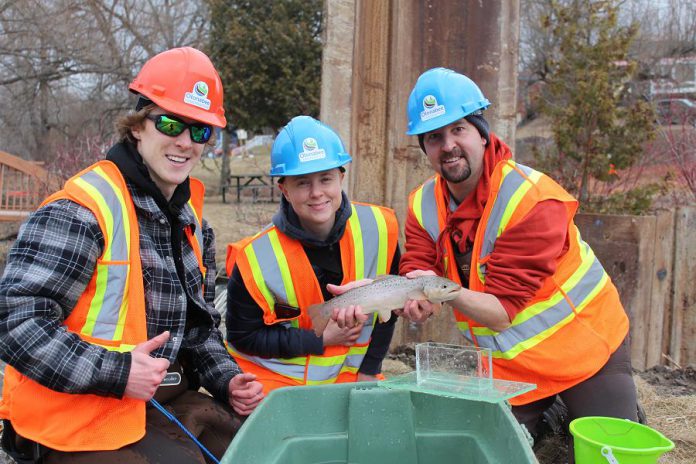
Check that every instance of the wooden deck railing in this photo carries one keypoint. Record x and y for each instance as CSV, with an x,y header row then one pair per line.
x,y
23,185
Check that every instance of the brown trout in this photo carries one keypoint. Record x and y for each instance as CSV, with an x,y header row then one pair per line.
x,y
384,294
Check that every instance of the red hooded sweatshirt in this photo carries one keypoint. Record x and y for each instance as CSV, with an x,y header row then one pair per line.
x,y
523,256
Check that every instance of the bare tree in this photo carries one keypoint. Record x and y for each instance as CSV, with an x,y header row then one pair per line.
x,y
65,64
667,28
535,43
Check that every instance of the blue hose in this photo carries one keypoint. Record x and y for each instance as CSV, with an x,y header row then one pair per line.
x,y
171,417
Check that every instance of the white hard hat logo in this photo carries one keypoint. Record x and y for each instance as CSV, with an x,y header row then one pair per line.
x,y
309,144
429,102
430,108
311,150
198,96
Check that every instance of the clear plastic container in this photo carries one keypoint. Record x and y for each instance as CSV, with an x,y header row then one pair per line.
x,y
457,371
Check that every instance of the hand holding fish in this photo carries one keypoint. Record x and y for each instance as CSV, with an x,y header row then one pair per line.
x,y
335,335
352,315
348,317
419,310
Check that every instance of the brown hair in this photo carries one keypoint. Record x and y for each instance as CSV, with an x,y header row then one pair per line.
x,y
137,119
130,120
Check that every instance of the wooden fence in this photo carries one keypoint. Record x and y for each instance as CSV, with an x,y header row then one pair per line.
x,y
652,261
23,185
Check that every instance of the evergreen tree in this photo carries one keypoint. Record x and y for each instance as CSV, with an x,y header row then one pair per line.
x,y
268,54
598,126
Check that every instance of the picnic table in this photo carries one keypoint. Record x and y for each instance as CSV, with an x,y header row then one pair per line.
x,y
257,183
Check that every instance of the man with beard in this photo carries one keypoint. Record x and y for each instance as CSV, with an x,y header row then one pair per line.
x,y
534,292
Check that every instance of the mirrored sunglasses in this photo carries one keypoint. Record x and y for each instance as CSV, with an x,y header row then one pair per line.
x,y
173,126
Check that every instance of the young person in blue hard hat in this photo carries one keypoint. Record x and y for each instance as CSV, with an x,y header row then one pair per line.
x,y
318,238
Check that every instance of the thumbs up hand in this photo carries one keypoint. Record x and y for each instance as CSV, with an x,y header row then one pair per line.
x,y
146,373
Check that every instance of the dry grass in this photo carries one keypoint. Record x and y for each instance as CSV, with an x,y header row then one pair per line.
x,y
675,417
232,221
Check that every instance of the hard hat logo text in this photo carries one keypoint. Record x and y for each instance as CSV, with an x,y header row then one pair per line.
x,y
199,96
311,151
430,108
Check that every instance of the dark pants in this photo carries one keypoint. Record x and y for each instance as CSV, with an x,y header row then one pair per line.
x,y
213,423
610,392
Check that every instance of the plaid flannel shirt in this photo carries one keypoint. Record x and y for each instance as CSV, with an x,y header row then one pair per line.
x,y
49,267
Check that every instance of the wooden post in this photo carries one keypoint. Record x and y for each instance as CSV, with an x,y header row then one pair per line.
x,y
337,66
661,283
682,345
369,89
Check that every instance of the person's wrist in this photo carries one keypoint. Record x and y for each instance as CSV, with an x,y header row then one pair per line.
x,y
458,301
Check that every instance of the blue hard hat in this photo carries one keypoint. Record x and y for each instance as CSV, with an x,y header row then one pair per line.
x,y
306,145
442,96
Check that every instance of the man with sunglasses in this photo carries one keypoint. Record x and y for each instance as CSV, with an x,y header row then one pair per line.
x,y
107,297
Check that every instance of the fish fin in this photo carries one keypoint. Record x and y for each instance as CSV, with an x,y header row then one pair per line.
x,y
447,306
384,314
437,308
319,318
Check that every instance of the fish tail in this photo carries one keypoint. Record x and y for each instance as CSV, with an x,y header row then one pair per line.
x,y
320,318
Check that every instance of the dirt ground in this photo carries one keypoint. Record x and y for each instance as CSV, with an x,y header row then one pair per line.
x,y
668,394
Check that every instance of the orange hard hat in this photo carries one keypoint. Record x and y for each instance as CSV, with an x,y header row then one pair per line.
x,y
183,81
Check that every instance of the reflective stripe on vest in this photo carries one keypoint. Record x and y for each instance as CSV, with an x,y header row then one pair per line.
x,y
275,281
293,368
108,308
320,369
542,319
513,188
325,369
425,208
197,239
368,223
370,238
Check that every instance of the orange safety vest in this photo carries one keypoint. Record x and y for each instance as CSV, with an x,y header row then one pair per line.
x,y
110,313
573,323
275,269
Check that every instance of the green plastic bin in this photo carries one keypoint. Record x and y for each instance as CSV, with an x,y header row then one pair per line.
x,y
363,423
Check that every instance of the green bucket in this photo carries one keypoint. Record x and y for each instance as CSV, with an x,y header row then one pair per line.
x,y
616,441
